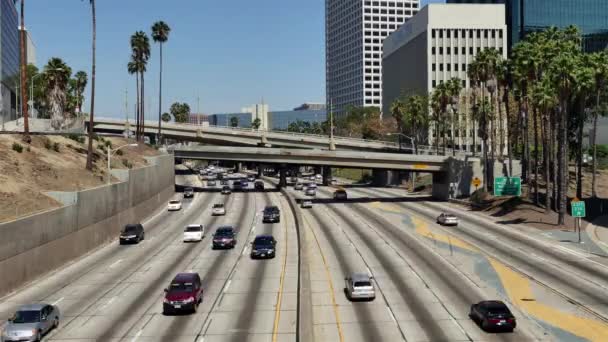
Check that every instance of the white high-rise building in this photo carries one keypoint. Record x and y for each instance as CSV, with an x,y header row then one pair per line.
x,y
354,32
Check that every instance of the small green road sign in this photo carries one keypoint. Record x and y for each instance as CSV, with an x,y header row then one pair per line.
x,y
578,208
507,186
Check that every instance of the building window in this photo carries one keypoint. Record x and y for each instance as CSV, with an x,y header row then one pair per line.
x,y
434,83
464,50
433,50
464,67
440,67
449,66
440,33
500,34
455,67
441,50
433,33
470,33
434,67
449,33
470,50
448,50
493,33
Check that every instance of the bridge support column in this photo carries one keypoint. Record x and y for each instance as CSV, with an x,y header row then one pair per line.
x,y
385,177
260,170
326,175
238,166
282,177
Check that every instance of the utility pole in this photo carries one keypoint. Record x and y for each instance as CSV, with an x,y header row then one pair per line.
x,y
127,105
332,145
198,109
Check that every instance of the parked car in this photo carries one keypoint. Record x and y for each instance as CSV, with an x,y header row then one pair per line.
x,y
359,286
224,182
185,293
218,210
251,178
493,315
310,192
237,185
211,183
224,237
306,204
258,185
272,214
311,185
340,195
174,205
263,246
194,233
226,190
447,220
31,322
188,192
132,233
298,186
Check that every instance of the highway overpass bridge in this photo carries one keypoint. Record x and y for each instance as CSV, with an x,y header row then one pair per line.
x,y
449,174
227,136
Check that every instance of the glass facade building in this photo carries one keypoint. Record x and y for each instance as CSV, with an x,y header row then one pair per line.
x,y
526,16
9,59
281,120
244,119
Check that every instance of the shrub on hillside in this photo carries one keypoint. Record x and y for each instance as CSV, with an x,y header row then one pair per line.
x,y
76,137
17,147
47,143
56,147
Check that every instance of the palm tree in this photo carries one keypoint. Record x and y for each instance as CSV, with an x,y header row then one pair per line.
x,y
81,79
140,45
57,77
416,117
599,63
454,87
133,69
397,110
160,34
26,124
92,113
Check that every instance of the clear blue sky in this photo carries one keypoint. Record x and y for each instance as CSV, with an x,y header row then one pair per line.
x,y
230,53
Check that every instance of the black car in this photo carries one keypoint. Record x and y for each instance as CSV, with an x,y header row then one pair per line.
x,y
188,193
493,315
224,237
272,214
237,185
226,190
132,233
258,185
263,246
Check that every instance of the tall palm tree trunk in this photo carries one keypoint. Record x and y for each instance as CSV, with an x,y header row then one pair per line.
x,y
137,116
579,152
547,150
143,108
563,159
536,146
160,95
92,114
594,161
509,133
23,64
554,156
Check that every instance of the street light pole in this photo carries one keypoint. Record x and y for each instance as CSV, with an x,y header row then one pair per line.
x,y
332,144
413,152
111,153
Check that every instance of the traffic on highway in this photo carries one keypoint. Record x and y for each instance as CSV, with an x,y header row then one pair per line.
x,y
233,256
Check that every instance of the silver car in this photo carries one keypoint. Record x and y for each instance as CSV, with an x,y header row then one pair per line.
x,y
447,220
359,286
31,322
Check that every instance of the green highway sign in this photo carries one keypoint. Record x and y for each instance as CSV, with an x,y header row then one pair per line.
x,y
578,208
507,186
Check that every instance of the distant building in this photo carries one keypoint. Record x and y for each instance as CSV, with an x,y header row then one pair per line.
x,y
244,119
30,48
354,32
258,111
436,45
526,16
280,120
9,62
198,119
312,106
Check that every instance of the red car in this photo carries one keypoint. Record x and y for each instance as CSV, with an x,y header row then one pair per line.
x,y
184,293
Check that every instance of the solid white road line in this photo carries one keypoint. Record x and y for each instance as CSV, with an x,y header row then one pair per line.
x,y
115,263
390,312
227,285
58,301
137,336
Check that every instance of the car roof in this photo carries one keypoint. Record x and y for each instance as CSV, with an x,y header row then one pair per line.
x,y
184,277
264,237
194,225
32,307
225,228
360,277
493,303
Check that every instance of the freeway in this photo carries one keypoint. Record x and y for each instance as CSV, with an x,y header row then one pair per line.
x,y
426,276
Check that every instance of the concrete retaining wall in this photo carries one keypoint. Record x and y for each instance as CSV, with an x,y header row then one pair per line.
x,y
38,244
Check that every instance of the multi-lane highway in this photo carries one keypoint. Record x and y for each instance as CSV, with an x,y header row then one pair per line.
x,y
426,276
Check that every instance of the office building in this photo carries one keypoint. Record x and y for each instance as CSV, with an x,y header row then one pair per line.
x,y
224,120
436,45
311,106
9,60
281,120
525,16
198,119
258,111
354,32
30,48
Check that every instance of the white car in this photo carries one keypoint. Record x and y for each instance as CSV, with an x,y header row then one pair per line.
x,y
194,233
359,286
218,210
319,177
306,204
310,192
174,205
311,185
447,220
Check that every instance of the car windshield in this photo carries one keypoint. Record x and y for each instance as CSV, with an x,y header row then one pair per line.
x,y
263,241
189,190
497,310
193,229
130,229
224,232
218,205
181,287
27,317
174,202
362,284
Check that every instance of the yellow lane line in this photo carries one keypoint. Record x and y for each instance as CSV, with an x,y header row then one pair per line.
x,y
331,284
519,291
277,313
